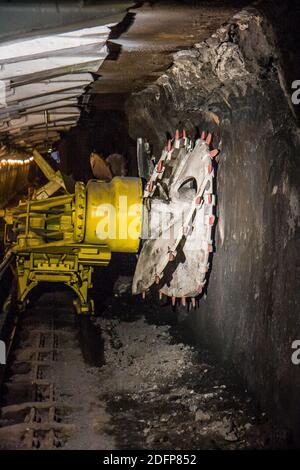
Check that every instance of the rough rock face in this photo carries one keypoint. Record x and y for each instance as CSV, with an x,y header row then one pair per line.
x,y
231,85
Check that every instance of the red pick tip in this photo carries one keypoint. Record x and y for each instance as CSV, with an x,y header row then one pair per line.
x,y
159,167
203,135
198,200
177,134
209,139
209,168
214,153
211,220
184,134
173,300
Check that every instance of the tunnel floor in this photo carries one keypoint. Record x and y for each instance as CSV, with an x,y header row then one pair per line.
x,y
161,391
128,379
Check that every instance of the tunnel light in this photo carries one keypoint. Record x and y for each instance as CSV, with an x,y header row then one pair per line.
x,y
15,162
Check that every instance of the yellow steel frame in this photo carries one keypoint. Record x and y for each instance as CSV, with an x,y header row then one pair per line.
x,y
55,239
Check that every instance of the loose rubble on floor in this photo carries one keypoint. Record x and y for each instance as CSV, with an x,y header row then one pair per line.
x,y
161,393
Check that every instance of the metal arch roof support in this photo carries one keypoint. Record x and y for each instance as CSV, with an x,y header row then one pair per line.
x,y
50,70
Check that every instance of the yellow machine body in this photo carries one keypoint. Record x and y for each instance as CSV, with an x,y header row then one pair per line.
x,y
61,238
114,214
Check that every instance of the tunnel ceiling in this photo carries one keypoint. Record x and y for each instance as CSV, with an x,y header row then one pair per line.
x,y
142,52
52,57
48,55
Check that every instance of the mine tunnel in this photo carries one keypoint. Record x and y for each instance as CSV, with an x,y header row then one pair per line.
x,y
149,225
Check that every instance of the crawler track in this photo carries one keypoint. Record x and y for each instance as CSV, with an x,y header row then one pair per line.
x,y
35,408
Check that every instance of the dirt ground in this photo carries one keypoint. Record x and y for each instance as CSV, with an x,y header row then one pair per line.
x,y
157,391
130,378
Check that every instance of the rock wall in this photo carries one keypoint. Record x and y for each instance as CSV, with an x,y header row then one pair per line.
x,y
231,85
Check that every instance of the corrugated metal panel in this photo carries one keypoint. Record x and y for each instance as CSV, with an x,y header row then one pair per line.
x,y
47,59
43,75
